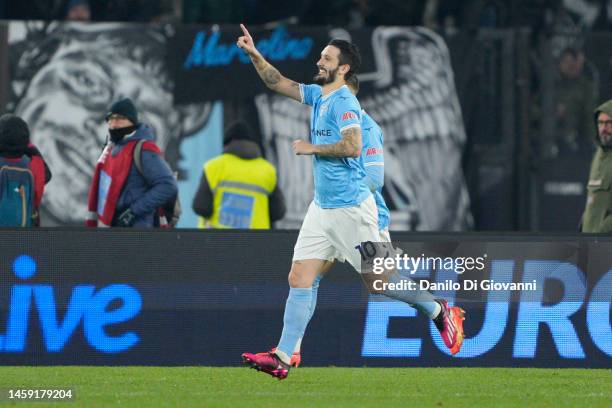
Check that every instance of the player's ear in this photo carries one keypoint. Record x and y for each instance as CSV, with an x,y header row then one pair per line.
x,y
344,68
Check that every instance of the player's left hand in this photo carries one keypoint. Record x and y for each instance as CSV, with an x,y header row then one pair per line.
x,y
303,147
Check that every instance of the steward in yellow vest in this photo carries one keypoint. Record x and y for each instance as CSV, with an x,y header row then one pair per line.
x,y
239,188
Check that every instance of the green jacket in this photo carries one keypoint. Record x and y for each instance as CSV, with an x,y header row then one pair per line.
x,y
597,215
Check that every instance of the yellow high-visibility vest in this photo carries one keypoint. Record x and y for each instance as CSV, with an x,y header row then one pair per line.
x,y
240,189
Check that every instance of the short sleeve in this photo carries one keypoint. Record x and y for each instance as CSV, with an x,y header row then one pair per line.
x,y
372,143
309,93
347,113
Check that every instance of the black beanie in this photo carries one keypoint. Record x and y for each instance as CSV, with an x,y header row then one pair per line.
x,y
14,134
238,130
126,108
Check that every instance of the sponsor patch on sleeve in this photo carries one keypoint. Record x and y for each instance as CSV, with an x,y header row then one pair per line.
x,y
372,151
348,116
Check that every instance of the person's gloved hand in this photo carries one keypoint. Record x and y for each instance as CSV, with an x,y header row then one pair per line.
x,y
126,219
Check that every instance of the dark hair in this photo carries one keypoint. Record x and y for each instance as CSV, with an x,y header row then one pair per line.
x,y
14,134
349,54
353,83
237,130
570,51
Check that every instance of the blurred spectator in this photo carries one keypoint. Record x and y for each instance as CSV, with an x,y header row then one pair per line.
x,y
78,10
358,14
597,215
239,188
575,98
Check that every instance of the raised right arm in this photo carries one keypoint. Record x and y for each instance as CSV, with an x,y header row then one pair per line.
x,y
268,74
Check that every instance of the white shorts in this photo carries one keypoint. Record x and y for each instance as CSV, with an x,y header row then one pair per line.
x,y
384,235
334,233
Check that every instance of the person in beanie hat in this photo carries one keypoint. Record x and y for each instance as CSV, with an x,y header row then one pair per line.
x,y
121,194
16,151
125,108
246,193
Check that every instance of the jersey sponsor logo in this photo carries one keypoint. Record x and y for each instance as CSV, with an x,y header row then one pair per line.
x,y
322,132
373,151
348,116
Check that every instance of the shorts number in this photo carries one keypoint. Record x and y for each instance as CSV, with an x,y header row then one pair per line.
x,y
367,250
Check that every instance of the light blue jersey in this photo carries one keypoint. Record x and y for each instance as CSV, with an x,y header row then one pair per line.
x,y
374,163
338,182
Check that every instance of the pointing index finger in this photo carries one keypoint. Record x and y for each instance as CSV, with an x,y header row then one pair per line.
x,y
244,30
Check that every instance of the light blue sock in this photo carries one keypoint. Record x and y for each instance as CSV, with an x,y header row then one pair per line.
x,y
313,306
421,300
315,290
297,314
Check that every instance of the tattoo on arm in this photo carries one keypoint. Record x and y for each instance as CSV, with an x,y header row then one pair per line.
x,y
349,146
352,136
274,79
266,71
271,76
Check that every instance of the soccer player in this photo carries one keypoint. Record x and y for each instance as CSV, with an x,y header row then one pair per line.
x,y
374,162
372,155
343,213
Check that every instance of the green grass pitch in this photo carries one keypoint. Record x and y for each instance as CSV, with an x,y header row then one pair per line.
x,y
316,387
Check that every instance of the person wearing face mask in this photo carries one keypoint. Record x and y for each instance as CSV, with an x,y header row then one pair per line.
x,y
597,217
120,195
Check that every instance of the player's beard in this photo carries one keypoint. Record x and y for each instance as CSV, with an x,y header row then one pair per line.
x,y
322,80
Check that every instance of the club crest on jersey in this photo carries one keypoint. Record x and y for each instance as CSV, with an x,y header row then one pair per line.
x,y
323,110
348,116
